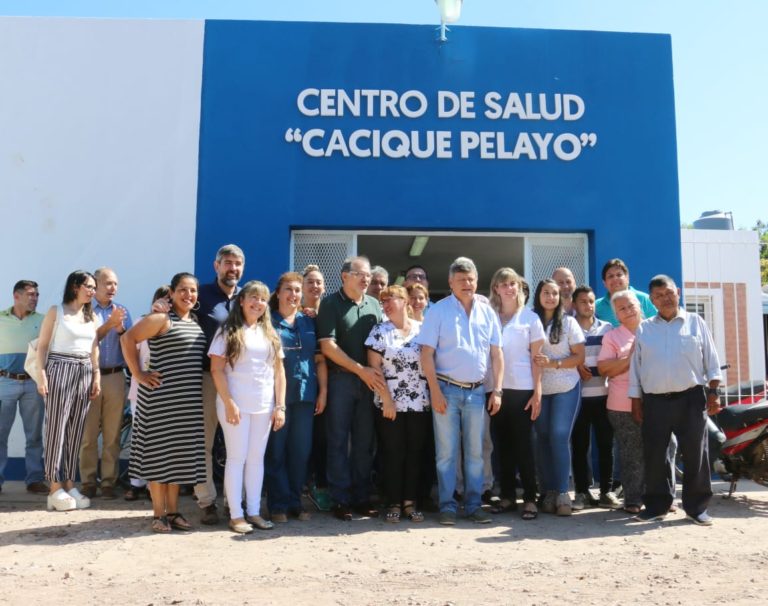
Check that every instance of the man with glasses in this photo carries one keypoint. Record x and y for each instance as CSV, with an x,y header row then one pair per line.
x,y
344,321
19,324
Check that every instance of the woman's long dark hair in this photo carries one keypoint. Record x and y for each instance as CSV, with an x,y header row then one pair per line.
x,y
74,281
556,330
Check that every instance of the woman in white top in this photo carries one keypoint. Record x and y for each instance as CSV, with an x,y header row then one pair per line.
x,y
247,369
562,353
68,356
522,337
404,419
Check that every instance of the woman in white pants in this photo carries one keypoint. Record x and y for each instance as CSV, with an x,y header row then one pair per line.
x,y
247,369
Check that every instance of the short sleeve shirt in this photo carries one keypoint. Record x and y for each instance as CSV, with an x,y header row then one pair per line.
x,y
560,380
461,341
617,344
517,335
251,382
401,365
299,347
348,323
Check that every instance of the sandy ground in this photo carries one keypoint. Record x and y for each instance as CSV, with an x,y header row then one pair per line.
x,y
106,554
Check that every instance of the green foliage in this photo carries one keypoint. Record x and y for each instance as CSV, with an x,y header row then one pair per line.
x,y
762,229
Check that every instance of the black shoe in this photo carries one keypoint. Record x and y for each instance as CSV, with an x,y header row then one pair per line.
x,y
342,512
486,497
210,515
367,510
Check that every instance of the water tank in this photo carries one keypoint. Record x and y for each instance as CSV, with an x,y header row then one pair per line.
x,y
714,219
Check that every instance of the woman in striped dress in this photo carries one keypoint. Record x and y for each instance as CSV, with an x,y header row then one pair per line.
x,y
168,444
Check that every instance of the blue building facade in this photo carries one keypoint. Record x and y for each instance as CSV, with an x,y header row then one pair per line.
x,y
327,127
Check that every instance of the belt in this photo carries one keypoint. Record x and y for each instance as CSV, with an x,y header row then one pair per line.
x,y
462,384
110,371
16,376
670,395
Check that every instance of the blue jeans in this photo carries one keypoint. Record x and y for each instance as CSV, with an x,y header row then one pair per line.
x,y
553,437
349,420
462,425
285,464
23,393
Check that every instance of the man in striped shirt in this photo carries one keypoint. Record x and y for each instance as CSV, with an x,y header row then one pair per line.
x,y
594,394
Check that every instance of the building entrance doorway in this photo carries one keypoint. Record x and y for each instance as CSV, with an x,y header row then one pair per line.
x,y
534,255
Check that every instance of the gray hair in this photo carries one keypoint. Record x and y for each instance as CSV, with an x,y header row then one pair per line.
x,y
462,265
624,294
230,250
346,267
661,280
378,270
101,271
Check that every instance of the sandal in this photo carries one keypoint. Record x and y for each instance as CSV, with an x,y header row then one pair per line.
x,y
393,514
530,512
504,505
178,521
632,509
413,514
160,524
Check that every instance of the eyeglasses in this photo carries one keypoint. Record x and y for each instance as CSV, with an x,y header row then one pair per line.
x,y
361,274
416,277
90,287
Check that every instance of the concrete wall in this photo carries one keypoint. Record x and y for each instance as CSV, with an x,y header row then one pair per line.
x,y
99,125
724,265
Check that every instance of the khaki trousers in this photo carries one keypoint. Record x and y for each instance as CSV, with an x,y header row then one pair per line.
x,y
206,491
105,416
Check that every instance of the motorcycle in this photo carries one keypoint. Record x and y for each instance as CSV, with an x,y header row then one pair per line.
x,y
738,443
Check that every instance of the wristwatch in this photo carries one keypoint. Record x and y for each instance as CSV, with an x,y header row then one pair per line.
x,y
498,392
713,391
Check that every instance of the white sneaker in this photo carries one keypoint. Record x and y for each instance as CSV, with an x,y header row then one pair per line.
x,y
81,501
61,501
608,500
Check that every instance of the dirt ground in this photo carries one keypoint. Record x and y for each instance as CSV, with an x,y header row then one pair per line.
x,y
106,555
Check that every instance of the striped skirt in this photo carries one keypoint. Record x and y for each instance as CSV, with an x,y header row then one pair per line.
x,y
66,406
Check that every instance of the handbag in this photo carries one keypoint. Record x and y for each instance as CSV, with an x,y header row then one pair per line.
x,y
30,363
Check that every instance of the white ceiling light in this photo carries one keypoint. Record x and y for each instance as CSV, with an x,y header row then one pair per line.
x,y
418,246
450,11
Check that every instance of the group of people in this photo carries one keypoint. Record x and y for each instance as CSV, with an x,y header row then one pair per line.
x,y
373,389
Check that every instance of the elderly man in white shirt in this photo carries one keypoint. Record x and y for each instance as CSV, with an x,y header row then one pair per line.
x,y
674,376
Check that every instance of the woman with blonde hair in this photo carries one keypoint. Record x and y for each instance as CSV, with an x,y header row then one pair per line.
x,y
405,417
522,337
418,298
247,369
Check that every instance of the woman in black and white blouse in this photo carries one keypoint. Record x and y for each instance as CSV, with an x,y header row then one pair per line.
x,y
403,424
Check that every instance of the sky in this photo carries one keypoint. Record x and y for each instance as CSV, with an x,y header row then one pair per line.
x,y
720,62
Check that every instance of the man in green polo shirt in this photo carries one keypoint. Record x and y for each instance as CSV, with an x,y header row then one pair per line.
x,y
18,326
344,321
616,278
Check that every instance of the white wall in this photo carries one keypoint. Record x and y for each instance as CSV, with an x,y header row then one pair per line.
x,y
99,125
729,256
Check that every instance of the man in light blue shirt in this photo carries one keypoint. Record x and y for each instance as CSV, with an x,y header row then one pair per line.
x,y
616,278
105,414
459,336
673,379
19,324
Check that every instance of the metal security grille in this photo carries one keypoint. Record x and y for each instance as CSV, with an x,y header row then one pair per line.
x,y
325,249
544,254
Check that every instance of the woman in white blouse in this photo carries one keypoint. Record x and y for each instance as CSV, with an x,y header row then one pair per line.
x,y
562,352
403,424
522,337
